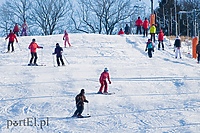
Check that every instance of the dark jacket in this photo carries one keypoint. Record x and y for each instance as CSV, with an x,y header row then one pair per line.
x,y
127,29
80,99
58,51
198,49
177,43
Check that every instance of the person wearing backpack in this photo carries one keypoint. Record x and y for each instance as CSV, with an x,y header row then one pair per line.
x,y
80,99
149,47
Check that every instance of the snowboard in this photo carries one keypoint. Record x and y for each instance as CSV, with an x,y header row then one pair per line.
x,y
109,93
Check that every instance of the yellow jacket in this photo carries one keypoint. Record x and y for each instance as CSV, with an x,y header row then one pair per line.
x,y
153,29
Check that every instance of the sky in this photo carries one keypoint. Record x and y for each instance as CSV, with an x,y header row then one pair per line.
x,y
152,95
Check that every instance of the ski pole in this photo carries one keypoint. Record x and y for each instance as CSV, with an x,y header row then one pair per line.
x,y
88,109
53,61
19,46
66,59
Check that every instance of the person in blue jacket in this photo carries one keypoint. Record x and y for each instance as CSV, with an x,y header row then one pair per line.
x,y
58,51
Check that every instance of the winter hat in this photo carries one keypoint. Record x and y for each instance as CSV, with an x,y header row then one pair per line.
x,y
33,40
82,91
105,69
57,44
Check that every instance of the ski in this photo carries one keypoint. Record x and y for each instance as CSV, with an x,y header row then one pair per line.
x,y
109,93
36,65
86,116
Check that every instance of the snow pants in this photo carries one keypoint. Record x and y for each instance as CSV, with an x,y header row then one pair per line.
x,y
79,110
10,43
138,30
161,42
58,59
177,52
150,50
104,85
33,56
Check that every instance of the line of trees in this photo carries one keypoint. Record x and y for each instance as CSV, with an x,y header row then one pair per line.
x,y
187,11
47,17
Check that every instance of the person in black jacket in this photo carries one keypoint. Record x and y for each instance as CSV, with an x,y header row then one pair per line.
x,y
177,46
198,52
58,51
80,99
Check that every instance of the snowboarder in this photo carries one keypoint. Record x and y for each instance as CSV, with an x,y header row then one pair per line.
x,y
24,29
103,82
33,46
177,46
66,39
153,32
160,39
121,32
145,27
198,52
127,30
80,99
12,37
149,47
16,29
138,24
58,51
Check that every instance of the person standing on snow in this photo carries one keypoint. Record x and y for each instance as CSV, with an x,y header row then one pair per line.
x,y
24,29
58,51
177,46
12,37
80,99
149,47
66,39
138,24
160,39
127,30
33,46
103,82
145,27
16,29
121,32
198,52
153,33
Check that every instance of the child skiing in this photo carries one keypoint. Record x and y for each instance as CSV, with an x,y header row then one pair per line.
x,y
66,39
33,46
58,51
80,99
160,39
12,37
150,48
103,82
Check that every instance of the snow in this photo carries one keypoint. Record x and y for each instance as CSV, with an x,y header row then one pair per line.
x,y
152,95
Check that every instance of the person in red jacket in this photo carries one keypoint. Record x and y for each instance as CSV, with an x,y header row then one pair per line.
x,y
160,39
12,37
33,46
145,27
66,38
121,32
103,82
138,24
16,29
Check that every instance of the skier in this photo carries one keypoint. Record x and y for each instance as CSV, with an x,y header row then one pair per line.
x,y
66,39
153,32
160,39
58,51
12,37
16,29
138,24
24,29
33,46
121,32
177,46
103,82
145,27
198,52
127,29
80,99
149,47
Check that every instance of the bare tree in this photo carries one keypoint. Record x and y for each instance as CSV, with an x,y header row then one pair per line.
x,y
49,15
101,16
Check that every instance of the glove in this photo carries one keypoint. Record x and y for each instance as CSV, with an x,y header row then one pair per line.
x,y
53,53
87,101
109,82
145,49
41,47
63,38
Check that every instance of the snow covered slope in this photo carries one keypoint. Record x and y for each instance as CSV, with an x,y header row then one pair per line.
x,y
157,95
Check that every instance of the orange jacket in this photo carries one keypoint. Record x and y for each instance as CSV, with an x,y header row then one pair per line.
x,y
12,37
33,46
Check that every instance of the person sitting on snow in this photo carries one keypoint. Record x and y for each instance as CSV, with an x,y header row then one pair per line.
x,y
121,32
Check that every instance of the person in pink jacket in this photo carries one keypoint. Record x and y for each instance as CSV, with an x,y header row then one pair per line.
x,y
66,39
103,82
33,46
